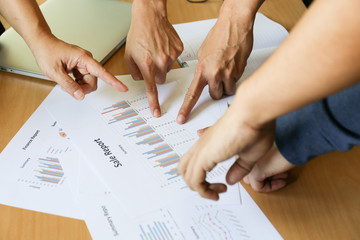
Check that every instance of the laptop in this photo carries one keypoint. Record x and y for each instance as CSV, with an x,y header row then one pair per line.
x,y
99,26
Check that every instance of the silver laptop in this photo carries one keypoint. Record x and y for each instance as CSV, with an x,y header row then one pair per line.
x,y
99,26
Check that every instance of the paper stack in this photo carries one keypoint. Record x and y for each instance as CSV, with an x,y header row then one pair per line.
x,y
107,161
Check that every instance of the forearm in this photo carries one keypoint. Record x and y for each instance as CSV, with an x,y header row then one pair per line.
x,y
26,18
240,12
320,57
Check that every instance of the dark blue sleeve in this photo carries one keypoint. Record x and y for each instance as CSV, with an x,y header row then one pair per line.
x,y
332,124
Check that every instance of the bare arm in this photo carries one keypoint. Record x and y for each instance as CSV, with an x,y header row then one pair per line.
x,y
26,18
320,57
223,54
55,58
152,47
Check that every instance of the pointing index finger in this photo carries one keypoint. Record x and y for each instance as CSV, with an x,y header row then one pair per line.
x,y
97,70
151,90
191,97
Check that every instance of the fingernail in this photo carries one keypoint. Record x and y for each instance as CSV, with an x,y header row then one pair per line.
x,y
125,88
79,95
156,113
180,119
200,132
232,180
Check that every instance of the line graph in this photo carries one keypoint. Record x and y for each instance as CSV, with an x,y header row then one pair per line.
x,y
218,222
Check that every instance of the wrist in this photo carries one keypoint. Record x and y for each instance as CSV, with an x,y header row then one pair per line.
x,y
240,10
250,107
239,15
156,6
40,40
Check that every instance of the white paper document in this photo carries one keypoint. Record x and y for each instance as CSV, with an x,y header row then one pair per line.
x,y
31,168
108,161
134,157
128,147
267,34
191,218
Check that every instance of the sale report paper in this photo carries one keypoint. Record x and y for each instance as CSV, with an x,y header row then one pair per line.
x,y
32,174
136,154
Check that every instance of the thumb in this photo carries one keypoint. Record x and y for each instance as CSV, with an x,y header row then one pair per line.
x,y
68,85
237,171
270,172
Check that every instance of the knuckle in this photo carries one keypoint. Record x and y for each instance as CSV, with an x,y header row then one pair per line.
x,y
215,94
88,53
173,56
230,75
51,73
84,58
101,71
148,63
151,89
213,75
200,68
83,53
208,167
162,62
68,86
202,192
191,96
179,47
160,79
231,90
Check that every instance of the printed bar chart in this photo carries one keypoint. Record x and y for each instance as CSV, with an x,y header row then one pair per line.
x,y
123,111
151,140
43,171
143,131
135,123
156,142
158,230
50,170
159,225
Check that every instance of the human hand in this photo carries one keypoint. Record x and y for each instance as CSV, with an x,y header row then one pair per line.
x,y
57,59
221,60
231,135
270,172
152,47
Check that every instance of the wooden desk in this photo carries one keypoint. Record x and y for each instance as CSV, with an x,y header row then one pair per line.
x,y
323,202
